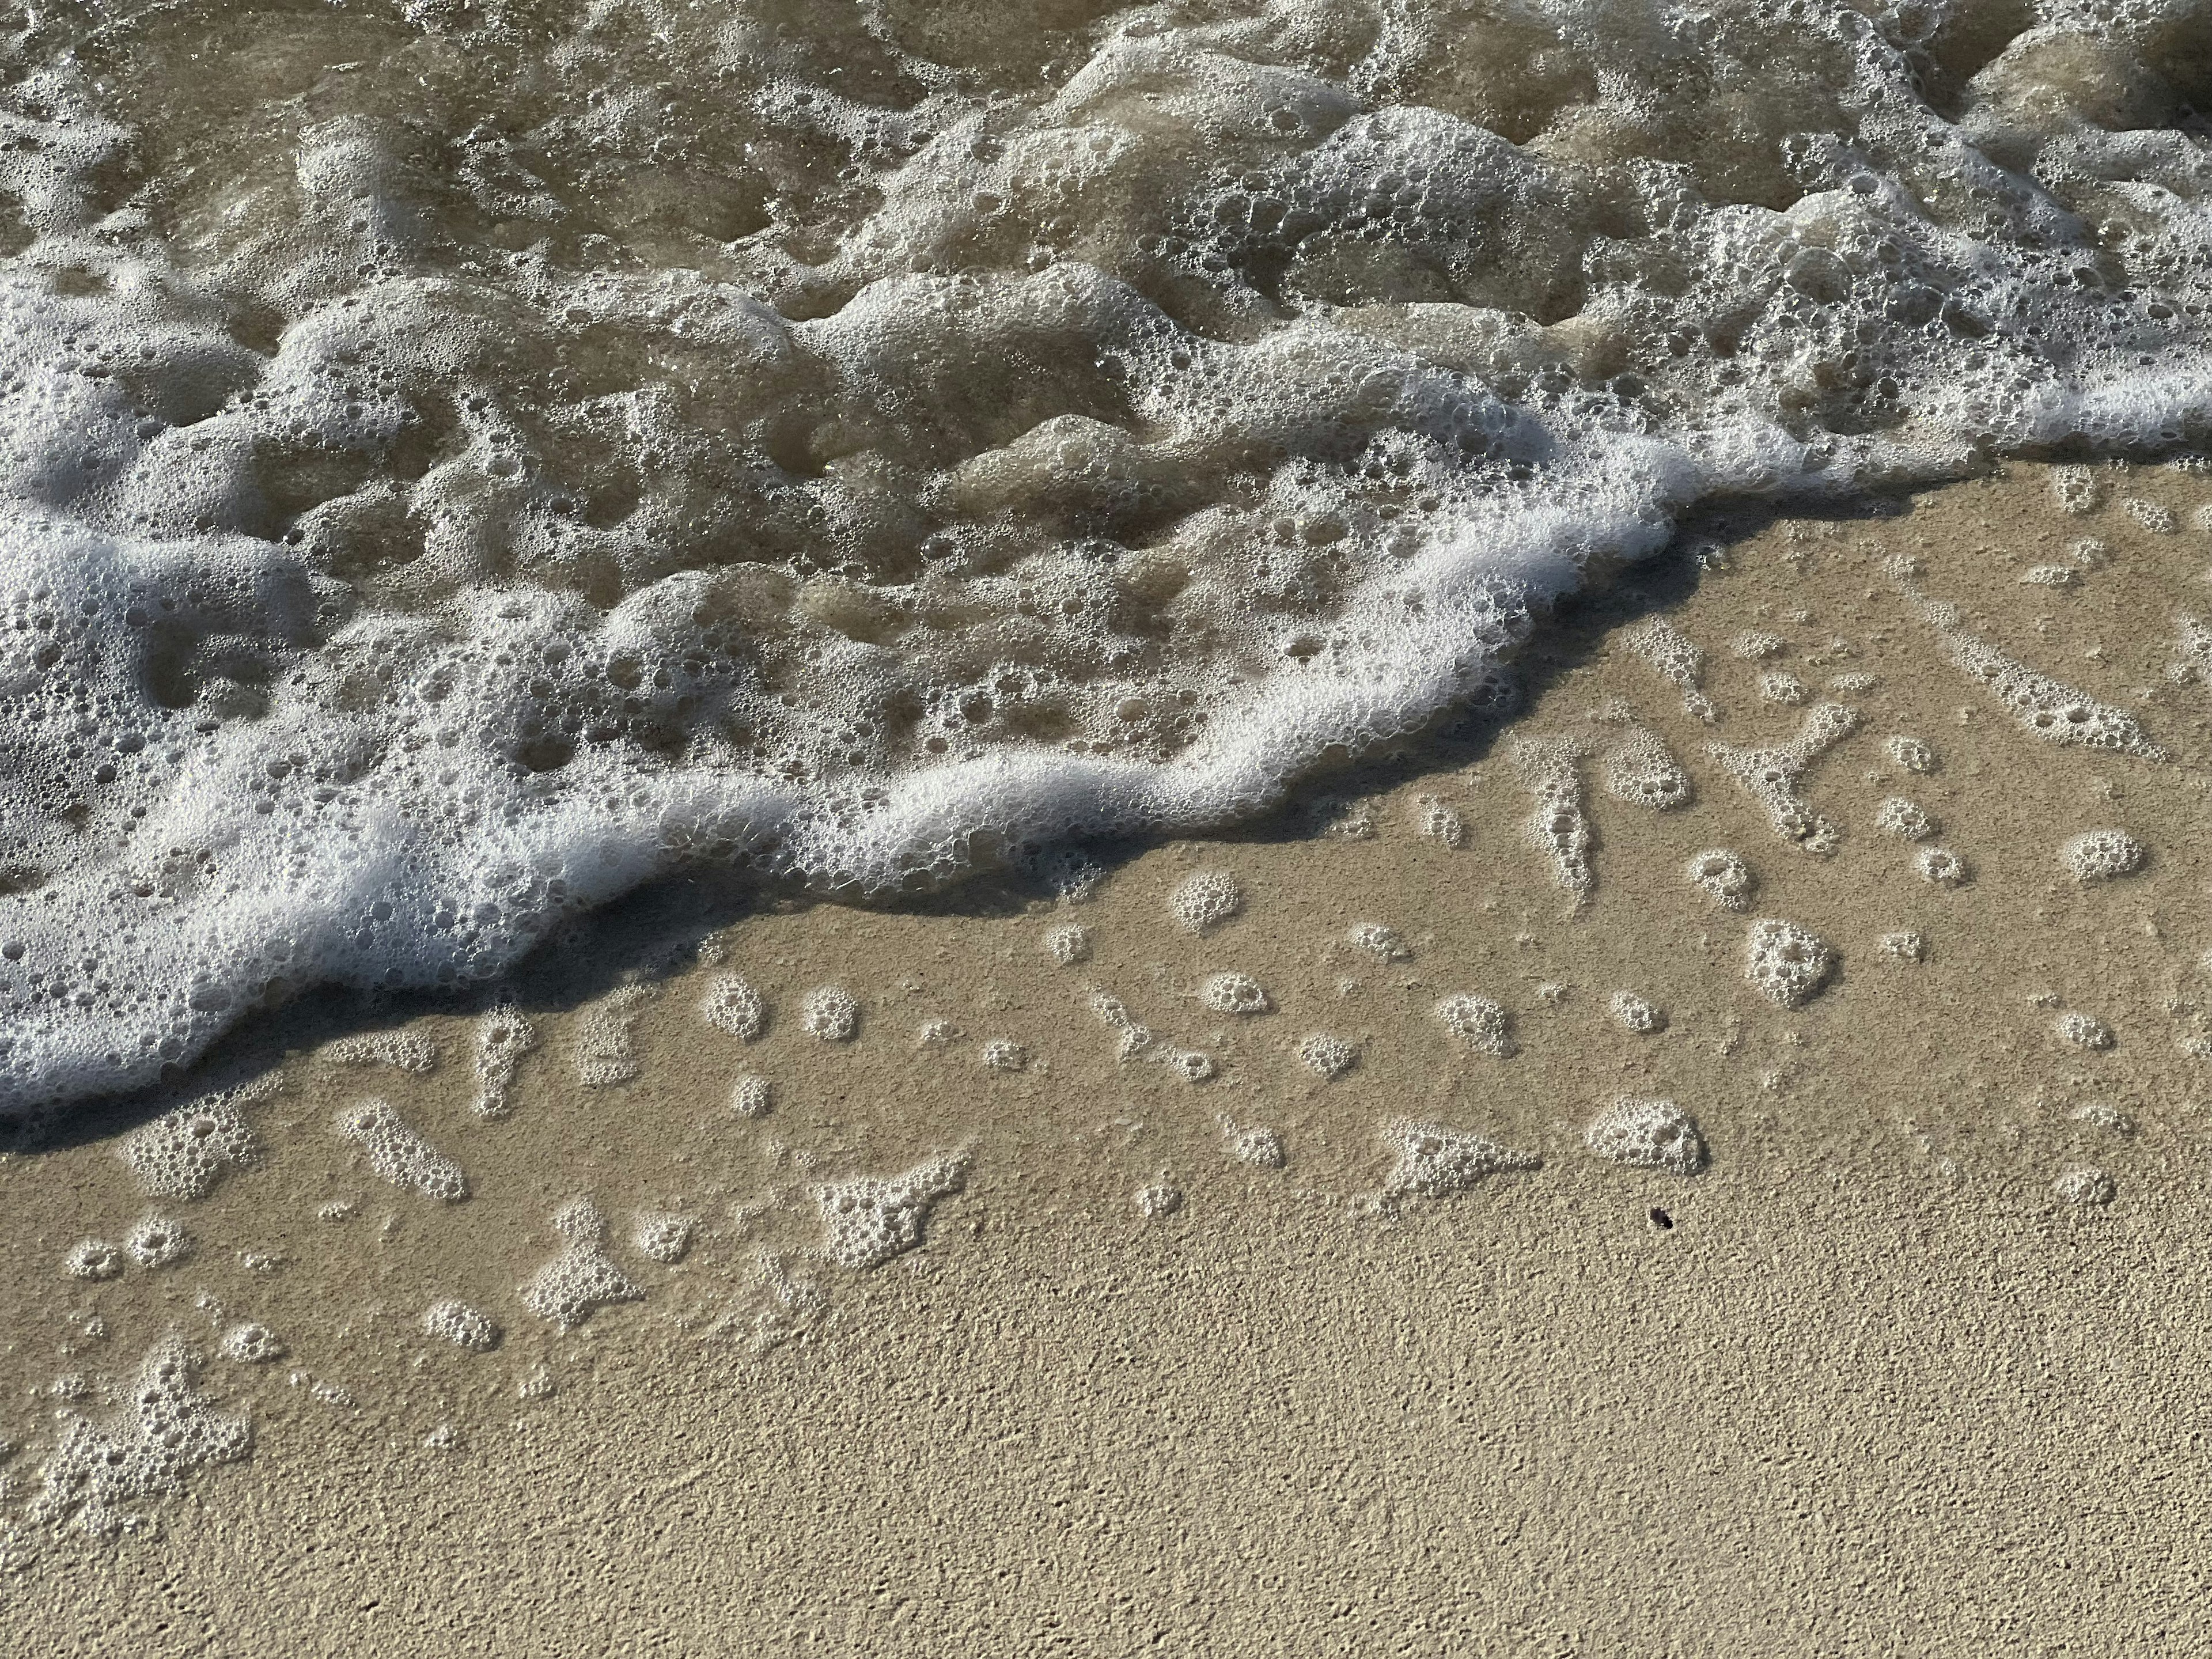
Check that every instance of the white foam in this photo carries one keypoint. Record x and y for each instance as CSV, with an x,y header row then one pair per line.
x,y
1108,471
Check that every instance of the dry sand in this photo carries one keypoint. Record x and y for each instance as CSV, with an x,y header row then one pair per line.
x,y
1884,1376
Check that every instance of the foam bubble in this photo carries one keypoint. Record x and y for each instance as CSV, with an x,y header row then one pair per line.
x,y
661,1236
1259,1146
1434,1161
1068,945
2085,1186
1672,655
1234,994
731,1005
2076,487
1904,946
1783,688
2050,575
1787,964
831,1014
604,1052
2151,515
93,1258
1641,771
2102,856
165,1429
582,1278
184,1152
1482,1024
1205,899
868,1220
156,1241
1004,1054
1900,817
1647,1134
1634,1013
1384,944
251,1344
1559,826
2082,1031
1724,878
465,1327
407,1051
503,1036
1438,822
399,1154
1326,1056
1941,867
750,1097
1771,775
1156,1201
1911,753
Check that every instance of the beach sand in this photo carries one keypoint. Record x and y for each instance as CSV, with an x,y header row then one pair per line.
x,y
1914,1363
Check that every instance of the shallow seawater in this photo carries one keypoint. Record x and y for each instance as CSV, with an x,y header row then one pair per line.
x,y
1575,1118
464,461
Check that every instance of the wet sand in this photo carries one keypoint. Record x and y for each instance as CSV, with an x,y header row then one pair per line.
x,y
1914,1363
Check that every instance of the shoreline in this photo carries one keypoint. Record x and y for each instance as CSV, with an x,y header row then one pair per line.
x,y
1881,1378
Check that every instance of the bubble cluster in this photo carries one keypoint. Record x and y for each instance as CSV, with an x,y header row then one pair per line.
x,y
251,1343
2047,709
165,1429
731,1005
407,1051
1724,878
1647,1134
750,1095
2102,856
1911,753
661,1236
399,1154
1755,645
503,1036
2082,1031
1259,1146
156,1241
1004,1054
1205,899
1440,823
603,1048
1639,1014
866,1220
2076,488
93,1258
1068,945
1156,1201
1781,687
1481,1024
2085,1186
1326,1056
1941,867
1433,1161
1675,658
1771,775
2050,576
582,1278
1559,827
1786,963
463,1326
1900,817
184,1152
2151,515
1234,994
1904,946
1384,944
830,1014
1641,771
